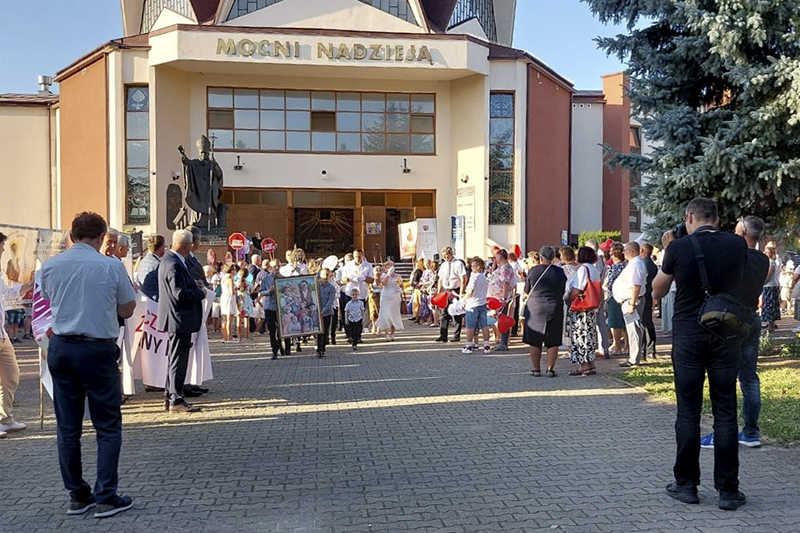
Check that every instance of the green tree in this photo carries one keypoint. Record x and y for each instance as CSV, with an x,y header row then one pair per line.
x,y
717,84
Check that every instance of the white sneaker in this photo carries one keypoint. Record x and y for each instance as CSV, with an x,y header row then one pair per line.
x,y
467,350
487,349
12,427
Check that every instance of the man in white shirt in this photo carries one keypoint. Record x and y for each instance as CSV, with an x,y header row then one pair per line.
x,y
452,280
9,370
356,274
629,290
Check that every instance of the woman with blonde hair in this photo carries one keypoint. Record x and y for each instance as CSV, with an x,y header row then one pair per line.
x,y
416,295
389,317
227,302
374,298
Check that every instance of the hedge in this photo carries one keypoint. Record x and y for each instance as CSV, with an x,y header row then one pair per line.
x,y
599,236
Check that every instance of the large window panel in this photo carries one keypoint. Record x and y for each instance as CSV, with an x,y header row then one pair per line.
x,y
137,155
277,120
501,159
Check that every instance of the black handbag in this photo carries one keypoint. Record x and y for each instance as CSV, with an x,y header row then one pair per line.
x,y
721,314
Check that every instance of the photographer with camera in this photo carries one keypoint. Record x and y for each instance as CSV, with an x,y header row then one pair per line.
x,y
707,266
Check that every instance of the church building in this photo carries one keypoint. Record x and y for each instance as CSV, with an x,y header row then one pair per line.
x,y
332,122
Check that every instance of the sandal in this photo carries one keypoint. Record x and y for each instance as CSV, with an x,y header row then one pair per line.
x,y
536,373
551,374
577,372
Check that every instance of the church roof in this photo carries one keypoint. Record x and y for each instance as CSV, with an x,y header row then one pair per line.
x,y
439,12
205,10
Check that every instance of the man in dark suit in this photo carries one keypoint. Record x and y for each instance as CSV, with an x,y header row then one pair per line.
x,y
646,254
180,313
198,274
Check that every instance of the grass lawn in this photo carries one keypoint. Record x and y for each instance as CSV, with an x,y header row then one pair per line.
x,y
780,393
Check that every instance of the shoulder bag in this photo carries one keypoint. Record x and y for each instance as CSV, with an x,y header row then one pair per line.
x,y
721,314
590,297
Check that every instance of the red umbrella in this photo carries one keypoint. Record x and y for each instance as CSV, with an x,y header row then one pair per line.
x,y
504,323
494,304
440,300
517,251
605,246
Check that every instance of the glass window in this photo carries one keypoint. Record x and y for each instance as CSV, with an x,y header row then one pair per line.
x,y
422,103
273,140
373,142
421,124
422,199
348,101
397,103
137,155
245,99
297,100
373,198
137,125
323,142
272,100
247,197
298,120
348,121
223,139
501,158
323,101
323,121
422,144
397,144
246,119
246,139
348,142
220,119
220,98
361,120
298,141
273,120
373,102
397,123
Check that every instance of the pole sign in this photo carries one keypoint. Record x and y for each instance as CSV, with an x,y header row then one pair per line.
x,y
236,241
269,245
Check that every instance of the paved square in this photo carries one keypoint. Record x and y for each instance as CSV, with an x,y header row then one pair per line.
x,y
402,436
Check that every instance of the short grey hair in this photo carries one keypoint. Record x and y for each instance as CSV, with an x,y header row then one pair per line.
x,y
547,253
123,240
182,236
753,227
591,243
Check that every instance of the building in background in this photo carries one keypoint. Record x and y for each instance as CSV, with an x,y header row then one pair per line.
x,y
333,121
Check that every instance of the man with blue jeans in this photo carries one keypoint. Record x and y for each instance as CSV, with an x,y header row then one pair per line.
x,y
697,352
752,229
87,292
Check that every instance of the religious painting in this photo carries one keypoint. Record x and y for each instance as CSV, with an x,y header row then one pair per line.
x,y
299,313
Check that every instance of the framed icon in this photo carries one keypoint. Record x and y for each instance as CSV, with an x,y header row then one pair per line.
x,y
299,313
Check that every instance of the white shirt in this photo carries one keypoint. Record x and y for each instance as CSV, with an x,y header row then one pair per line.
x,y
581,279
357,275
478,284
450,274
6,292
289,270
634,273
354,310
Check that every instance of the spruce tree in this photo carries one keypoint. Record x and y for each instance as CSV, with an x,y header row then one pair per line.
x,y
716,84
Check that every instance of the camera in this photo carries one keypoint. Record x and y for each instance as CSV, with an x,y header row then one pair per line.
x,y
680,230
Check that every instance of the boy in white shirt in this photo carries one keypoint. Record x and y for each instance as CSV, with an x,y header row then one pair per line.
x,y
353,316
475,305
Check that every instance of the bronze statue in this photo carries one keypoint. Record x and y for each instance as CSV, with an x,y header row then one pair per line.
x,y
202,188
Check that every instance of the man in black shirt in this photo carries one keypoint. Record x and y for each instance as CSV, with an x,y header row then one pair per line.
x,y
695,352
647,316
755,274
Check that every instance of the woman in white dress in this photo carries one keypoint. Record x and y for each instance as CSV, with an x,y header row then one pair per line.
x,y
227,302
389,317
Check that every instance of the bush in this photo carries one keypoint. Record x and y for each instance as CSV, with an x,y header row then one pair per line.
x,y
599,236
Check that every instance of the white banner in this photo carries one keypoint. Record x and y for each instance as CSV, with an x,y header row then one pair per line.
x,y
150,352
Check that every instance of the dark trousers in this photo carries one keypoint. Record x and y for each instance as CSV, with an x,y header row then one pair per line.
x,y
696,352
322,338
272,327
334,327
515,327
82,369
749,381
445,322
649,326
353,330
343,299
178,362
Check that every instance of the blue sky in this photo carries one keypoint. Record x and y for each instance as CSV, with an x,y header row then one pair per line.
x,y
34,40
